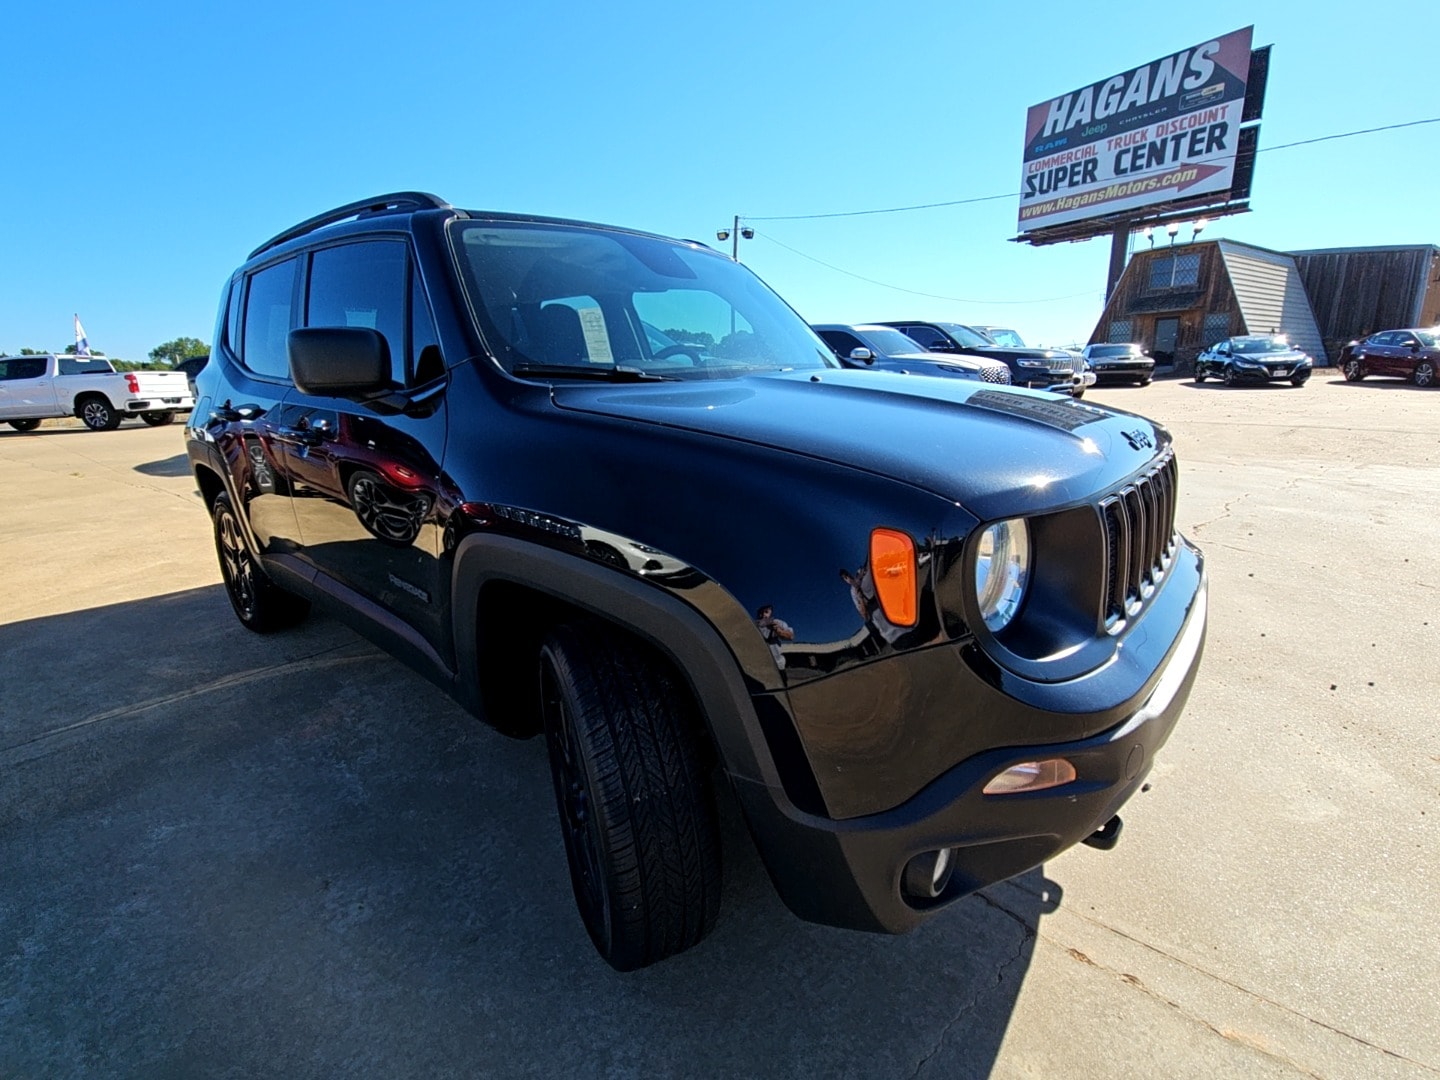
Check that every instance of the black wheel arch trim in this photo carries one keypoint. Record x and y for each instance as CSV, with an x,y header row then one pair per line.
x,y
747,747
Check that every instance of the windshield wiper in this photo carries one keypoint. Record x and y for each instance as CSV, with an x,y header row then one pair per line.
x,y
617,373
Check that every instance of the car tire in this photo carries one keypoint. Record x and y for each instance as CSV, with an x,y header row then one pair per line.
x,y
1147,381
1424,373
157,419
24,425
630,769
260,604
1199,374
1354,371
1228,375
1299,382
1077,394
97,414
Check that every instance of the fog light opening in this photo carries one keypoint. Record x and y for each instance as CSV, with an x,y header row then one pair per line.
x,y
927,874
1031,776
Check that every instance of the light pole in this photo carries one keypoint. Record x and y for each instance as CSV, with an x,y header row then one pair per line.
x,y
733,234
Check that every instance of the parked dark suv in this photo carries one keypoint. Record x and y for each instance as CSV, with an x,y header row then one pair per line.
x,y
608,488
1043,369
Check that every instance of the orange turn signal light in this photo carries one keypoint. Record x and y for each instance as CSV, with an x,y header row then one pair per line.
x,y
892,568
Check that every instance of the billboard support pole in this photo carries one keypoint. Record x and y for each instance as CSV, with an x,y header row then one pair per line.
x,y
1119,243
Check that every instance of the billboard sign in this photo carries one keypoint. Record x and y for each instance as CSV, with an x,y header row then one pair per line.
x,y
1165,130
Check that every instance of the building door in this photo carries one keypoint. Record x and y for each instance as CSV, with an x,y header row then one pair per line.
x,y
1166,331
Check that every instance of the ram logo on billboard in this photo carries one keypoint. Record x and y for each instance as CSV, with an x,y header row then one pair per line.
x,y
1165,130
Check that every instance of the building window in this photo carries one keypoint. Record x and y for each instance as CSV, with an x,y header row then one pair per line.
x,y
1173,271
1217,328
1120,331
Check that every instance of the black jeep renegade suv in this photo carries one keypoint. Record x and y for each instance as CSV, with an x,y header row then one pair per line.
x,y
607,487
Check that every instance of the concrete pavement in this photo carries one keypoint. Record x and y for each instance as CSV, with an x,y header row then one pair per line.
x,y
222,854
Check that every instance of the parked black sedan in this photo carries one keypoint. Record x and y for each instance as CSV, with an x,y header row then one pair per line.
x,y
1408,354
884,347
1255,358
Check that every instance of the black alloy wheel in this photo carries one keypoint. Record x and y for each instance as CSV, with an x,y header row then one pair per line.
x,y
24,425
630,769
260,604
1229,376
157,419
1354,370
1424,373
97,414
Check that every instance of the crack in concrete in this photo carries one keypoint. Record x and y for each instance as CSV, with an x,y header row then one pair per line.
x,y
1026,938
1225,512
314,662
1230,1036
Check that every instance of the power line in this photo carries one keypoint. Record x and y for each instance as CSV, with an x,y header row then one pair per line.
x,y
914,292
1016,194
1348,134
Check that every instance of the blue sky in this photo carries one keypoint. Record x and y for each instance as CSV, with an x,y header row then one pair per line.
x,y
150,146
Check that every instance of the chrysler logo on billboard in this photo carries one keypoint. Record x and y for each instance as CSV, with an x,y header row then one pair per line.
x,y
1166,129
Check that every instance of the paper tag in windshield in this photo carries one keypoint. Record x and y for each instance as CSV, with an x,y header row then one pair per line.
x,y
597,342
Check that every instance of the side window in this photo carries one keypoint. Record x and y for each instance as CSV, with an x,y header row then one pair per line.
x,y
22,367
841,342
424,342
365,285
926,337
267,320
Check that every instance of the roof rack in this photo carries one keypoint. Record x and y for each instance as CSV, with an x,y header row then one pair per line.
x,y
395,202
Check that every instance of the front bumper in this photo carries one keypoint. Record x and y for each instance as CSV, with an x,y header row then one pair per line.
x,y
849,873
169,403
1264,375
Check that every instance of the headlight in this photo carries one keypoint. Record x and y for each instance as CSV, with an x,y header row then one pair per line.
x,y
1002,570
1032,363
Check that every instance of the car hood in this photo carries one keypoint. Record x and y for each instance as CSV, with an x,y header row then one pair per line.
x,y
1009,352
997,451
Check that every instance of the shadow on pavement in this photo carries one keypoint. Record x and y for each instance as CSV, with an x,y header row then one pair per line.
x,y
289,856
179,465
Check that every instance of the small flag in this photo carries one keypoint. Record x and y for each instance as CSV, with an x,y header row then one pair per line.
x,y
82,343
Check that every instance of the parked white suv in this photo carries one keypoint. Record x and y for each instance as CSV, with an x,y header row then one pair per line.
x,y
46,385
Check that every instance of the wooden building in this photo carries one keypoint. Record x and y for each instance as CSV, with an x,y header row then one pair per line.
x,y
1358,291
1179,299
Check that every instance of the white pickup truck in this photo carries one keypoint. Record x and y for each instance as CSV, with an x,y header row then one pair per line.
x,y
45,385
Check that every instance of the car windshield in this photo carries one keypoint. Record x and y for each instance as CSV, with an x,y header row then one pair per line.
x,y
964,335
887,341
1251,346
1008,338
555,300
1429,338
1112,350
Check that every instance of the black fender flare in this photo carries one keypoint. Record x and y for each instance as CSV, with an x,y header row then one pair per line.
x,y
677,630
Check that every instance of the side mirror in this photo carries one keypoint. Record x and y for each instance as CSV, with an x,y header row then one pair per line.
x,y
862,354
339,361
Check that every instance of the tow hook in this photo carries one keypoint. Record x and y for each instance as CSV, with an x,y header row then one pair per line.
x,y
1107,836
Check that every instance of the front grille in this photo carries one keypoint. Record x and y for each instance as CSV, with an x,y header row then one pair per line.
x,y
1060,363
1140,540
